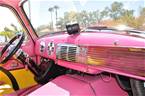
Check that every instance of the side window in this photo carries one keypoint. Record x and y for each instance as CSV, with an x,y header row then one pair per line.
x,y
9,25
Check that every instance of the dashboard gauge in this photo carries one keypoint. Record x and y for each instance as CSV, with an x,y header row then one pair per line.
x,y
42,46
50,47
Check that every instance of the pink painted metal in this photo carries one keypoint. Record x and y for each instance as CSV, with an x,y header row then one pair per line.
x,y
78,85
74,85
91,39
105,40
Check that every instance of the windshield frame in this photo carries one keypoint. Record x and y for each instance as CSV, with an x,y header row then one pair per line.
x,y
22,8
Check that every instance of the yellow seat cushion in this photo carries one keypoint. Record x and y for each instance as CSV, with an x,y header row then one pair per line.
x,y
24,77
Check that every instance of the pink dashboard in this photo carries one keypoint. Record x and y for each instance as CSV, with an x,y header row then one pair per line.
x,y
95,52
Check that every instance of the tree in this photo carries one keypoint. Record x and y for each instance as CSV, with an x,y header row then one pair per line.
x,y
141,19
56,9
111,16
84,18
100,15
135,22
61,23
91,17
116,10
7,33
10,31
68,18
15,28
142,12
104,13
51,11
128,17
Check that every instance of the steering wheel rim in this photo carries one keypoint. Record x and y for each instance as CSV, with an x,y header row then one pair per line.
x,y
20,37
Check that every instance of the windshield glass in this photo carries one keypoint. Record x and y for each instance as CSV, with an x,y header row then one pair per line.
x,y
49,16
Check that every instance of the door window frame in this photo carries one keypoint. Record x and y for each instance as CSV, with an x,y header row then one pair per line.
x,y
20,21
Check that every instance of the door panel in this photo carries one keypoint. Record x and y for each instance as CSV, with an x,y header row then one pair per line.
x,y
14,64
9,27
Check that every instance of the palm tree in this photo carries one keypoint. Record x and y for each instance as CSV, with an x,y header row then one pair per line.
x,y
56,8
51,10
7,34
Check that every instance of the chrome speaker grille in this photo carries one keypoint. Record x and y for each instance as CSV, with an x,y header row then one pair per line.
x,y
72,53
63,53
67,52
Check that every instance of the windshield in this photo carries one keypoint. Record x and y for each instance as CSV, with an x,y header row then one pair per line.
x,y
50,16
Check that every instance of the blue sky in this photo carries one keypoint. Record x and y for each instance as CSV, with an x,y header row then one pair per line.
x,y
40,14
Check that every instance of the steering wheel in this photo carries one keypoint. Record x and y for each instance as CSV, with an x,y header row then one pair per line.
x,y
16,45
